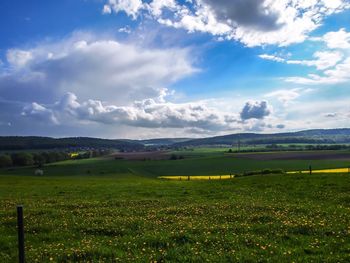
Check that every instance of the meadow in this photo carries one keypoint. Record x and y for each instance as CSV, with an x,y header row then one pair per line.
x,y
107,210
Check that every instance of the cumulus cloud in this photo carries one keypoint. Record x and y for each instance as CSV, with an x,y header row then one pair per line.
x,y
337,39
102,69
152,114
249,13
149,113
253,22
130,7
255,110
40,113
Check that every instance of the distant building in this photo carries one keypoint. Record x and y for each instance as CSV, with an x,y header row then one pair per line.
x,y
39,172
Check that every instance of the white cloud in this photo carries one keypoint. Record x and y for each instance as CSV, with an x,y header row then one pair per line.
x,y
149,113
272,57
333,64
339,39
130,7
40,113
158,117
156,6
285,96
253,22
336,75
193,118
106,9
322,61
18,58
125,29
102,69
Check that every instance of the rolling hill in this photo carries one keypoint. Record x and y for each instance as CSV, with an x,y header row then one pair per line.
x,y
319,136
329,136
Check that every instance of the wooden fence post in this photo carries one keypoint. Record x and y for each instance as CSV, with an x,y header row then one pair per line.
x,y
20,227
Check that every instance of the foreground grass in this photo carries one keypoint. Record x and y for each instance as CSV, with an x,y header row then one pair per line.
x,y
129,218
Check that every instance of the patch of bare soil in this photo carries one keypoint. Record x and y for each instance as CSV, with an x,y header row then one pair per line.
x,y
139,156
324,155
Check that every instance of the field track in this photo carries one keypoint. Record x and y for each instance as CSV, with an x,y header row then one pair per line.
x,y
139,156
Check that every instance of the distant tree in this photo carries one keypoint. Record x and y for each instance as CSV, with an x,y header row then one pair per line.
x,y
61,156
39,159
22,159
176,157
53,157
46,156
96,153
230,151
5,161
173,157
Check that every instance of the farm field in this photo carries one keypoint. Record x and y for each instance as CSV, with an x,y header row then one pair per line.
x,y
107,210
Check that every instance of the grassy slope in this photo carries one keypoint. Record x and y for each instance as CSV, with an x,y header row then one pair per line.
x,y
111,212
214,164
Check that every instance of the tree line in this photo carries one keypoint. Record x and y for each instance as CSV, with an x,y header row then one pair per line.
x,y
41,158
33,142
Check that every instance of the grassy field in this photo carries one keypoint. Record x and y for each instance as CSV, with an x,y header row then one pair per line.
x,y
105,210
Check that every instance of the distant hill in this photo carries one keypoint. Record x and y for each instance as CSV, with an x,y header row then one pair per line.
x,y
35,142
320,136
163,141
329,136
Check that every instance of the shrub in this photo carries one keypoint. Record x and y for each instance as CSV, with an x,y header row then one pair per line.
x,y
39,159
173,157
22,159
5,161
176,157
264,171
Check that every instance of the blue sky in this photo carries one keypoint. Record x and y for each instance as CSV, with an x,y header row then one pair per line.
x,y
168,68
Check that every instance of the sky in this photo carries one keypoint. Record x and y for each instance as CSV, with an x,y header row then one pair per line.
x,y
168,68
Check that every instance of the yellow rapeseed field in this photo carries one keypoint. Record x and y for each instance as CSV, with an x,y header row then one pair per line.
x,y
73,155
338,170
198,177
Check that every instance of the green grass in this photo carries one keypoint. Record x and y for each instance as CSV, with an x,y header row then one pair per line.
x,y
213,151
104,210
211,164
